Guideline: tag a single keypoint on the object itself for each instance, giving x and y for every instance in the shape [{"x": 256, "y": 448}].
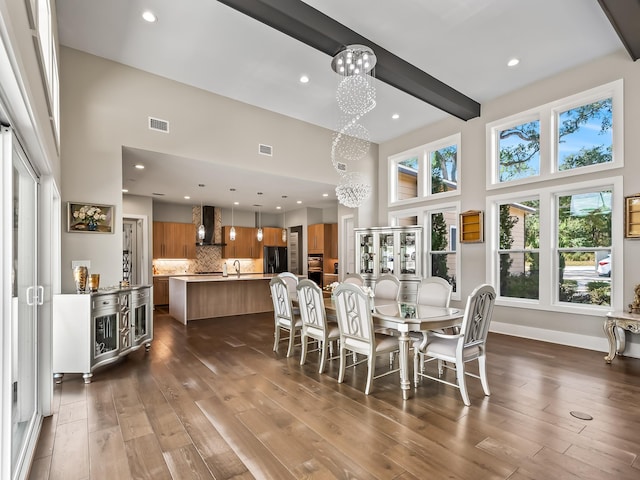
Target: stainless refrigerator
[{"x": 275, "y": 259}]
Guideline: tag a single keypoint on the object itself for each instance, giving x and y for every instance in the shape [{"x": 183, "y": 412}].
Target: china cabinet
[
  {"x": 92, "y": 330},
  {"x": 395, "y": 250}
]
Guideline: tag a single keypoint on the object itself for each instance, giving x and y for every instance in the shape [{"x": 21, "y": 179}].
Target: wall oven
[{"x": 314, "y": 269}]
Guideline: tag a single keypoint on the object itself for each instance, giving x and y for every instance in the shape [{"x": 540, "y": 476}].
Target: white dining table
[{"x": 404, "y": 318}]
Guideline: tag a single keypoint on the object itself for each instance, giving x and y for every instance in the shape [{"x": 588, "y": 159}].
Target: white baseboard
[{"x": 599, "y": 344}]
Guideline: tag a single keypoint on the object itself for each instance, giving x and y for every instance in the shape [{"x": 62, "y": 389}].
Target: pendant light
[
  {"x": 260, "y": 236},
  {"x": 201, "y": 229},
  {"x": 232, "y": 230},
  {"x": 284, "y": 223}
]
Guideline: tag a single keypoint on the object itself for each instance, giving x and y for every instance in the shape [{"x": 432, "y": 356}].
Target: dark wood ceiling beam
[
  {"x": 624, "y": 15},
  {"x": 314, "y": 28}
]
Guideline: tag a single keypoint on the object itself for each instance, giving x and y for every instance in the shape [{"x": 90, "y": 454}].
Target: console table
[{"x": 624, "y": 321}]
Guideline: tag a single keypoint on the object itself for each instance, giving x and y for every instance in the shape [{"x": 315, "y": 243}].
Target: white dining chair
[
  {"x": 291, "y": 279},
  {"x": 434, "y": 291},
  {"x": 357, "y": 335},
  {"x": 354, "y": 278},
  {"x": 459, "y": 349},
  {"x": 283, "y": 314},
  {"x": 387, "y": 287},
  {"x": 314, "y": 322}
]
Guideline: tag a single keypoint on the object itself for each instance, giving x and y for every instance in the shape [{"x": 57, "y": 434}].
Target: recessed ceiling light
[
  {"x": 187, "y": 197},
  {"x": 124, "y": 190},
  {"x": 139, "y": 166},
  {"x": 149, "y": 16},
  {"x": 325, "y": 194},
  {"x": 395, "y": 116},
  {"x": 278, "y": 207},
  {"x": 513, "y": 62},
  {"x": 236, "y": 203},
  {"x": 299, "y": 201},
  {"x": 304, "y": 79}
]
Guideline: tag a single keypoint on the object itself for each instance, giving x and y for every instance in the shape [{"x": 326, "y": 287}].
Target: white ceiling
[{"x": 464, "y": 43}]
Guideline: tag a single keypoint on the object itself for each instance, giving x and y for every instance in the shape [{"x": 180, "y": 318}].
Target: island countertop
[
  {"x": 219, "y": 278},
  {"x": 195, "y": 297}
]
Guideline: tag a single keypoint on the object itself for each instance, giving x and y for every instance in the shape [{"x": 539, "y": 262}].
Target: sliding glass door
[{"x": 25, "y": 297}]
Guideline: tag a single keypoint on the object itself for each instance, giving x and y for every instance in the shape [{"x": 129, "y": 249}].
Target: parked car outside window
[{"x": 604, "y": 266}]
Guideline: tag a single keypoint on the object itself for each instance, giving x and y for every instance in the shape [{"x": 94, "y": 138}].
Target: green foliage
[
  {"x": 586, "y": 157},
  {"x": 525, "y": 285},
  {"x": 440, "y": 159},
  {"x": 568, "y": 289},
  {"x": 439, "y": 242},
  {"x": 515, "y": 160}
]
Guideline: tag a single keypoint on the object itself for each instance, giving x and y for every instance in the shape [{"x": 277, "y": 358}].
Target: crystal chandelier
[{"x": 356, "y": 96}]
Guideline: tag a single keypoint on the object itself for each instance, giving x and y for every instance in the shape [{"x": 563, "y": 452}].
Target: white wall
[{"x": 576, "y": 329}]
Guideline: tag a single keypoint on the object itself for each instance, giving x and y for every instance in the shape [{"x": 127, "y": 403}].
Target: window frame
[
  {"x": 424, "y": 212},
  {"x": 548, "y": 249},
  {"x": 423, "y": 153},
  {"x": 548, "y": 116}
]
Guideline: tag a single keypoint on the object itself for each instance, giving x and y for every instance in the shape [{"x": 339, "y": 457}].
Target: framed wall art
[{"x": 89, "y": 217}]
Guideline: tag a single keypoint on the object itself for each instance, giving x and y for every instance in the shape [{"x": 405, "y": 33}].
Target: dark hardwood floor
[{"x": 212, "y": 400}]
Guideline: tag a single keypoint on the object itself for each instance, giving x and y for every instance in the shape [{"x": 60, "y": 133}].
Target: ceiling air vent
[
  {"x": 265, "y": 150},
  {"x": 341, "y": 167},
  {"x": 158, "y": 125}
]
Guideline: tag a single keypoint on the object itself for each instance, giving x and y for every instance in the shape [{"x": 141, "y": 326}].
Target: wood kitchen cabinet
[
  {"x": 322, "y": 238},
  {"x": 245, "y": 245},
  {"x": 174, "y": 240},
  {"x": 161, "y": 290},
  {"x": 273, "y": 237}
]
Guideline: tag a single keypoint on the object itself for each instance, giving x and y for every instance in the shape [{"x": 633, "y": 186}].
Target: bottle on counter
[{"x": 224, "y": 269}]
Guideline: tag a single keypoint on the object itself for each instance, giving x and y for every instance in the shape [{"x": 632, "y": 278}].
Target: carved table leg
[
  {"x": 609, "y": 325},
  {"x": 405, "y": 382},
  {"x": 622, "y": 340}
]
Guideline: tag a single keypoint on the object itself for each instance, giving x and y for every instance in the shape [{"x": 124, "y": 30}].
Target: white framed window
[
  {"x": 440, "y": 229},
  {"x": 579, "y": 134},
  {"x": 49, "y": 61},
  {"x": 558, "y": 248},
  {"x": 431, "y": 170}
]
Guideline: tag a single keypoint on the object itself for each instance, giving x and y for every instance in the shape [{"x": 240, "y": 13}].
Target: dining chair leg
[
  {"x": 323, "y": 356},
  {"x": 462, "y": 384},
  {"x": 482, "y": 366},
  {"x": 292, "y": 336},
  {"x": 343, "y": 359},
  {"x": 276, "y": 339},
  {"x": 440, "y": 368},
  {"x": 303, "y": 356},
  {"x": 371, "y": 363}
]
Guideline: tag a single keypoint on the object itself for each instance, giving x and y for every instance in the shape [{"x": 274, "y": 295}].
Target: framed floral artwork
[{"x": 89, "y": 218}]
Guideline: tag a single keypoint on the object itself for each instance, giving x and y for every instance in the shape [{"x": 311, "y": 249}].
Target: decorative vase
[
  {"x": 80, "y": 278},
  {"x": 92, "y": 225}
]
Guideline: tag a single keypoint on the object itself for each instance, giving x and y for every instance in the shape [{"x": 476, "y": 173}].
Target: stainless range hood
[{"x": 212, "y": 229}]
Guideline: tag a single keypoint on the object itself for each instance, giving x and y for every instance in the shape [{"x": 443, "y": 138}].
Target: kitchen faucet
[{"x": 236, "y": 264}]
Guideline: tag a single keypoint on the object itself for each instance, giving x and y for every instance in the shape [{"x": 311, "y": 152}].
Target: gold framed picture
[{"x": 89, "y": 218}]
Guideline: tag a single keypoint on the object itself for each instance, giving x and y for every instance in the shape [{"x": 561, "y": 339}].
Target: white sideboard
[{"x": 92, "y": 330}]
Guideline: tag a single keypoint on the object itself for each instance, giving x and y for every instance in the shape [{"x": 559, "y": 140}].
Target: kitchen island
[{"x": 195, "y": 297}]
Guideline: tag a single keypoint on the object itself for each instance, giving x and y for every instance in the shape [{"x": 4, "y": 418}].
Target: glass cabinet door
[
  {"x": 385, "y": 252},
  {"x": 105, "y": 331},
  {"x": 366, "y": 255},
  {"x": 141, "y": 324},
  {"x": 409, "y": 260}
]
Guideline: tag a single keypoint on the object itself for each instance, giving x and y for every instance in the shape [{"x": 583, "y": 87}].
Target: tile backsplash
[{"x": 209, "y": 257}]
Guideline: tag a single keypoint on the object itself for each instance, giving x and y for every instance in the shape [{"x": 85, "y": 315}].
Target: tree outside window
[
  {"x": 442, "y": 252},
  {"x": 518, "y": 255},
  {"x": 584, "y": 238}
]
